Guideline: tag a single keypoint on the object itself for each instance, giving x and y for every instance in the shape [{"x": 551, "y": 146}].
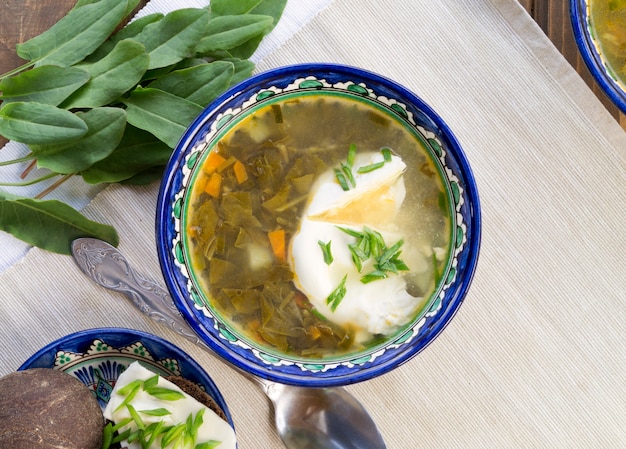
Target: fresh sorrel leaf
[
  {"x": 105, "y": 130},
  {"x": 199, "y": 84},
  {"x": 50, "y": 225},
  {"x": 164, "y": 115},
  {"x": 232, "y": 7},
  {"x": 145, "y": 177},
  {"x": 47, "y": 84},
  {"x": 37, "y": 123},
  {"x": 272, "y": 8},
  {"x": 174, "y": 37},
  {"x": 243, "y": 69},
  {"x": 76, "y": 35},
  {"x": 113, "y": 75},
  {"x": 128, "y": 32},
  {"x": 228, "y": 32}
]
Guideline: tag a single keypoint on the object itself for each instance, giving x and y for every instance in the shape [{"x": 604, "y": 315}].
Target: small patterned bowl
[
  {"x": 289, "y": 83},
  {"x": 591, "y": 52},
  {"x": 97, "y": 357}
]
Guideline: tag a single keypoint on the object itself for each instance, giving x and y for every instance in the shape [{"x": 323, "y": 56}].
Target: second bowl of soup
[{"x": 318, "y": 225}]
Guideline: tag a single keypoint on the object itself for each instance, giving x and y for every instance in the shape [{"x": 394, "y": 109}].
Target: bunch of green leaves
[{"x": 108, "y": 103}]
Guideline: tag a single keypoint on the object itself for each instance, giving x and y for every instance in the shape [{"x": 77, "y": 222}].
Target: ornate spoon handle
[{"x": 107, "y": 267}]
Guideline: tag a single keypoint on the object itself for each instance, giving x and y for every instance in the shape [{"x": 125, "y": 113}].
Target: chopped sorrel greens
[
  {"x": 108, "y": 103},
  {"x": 240, "y": 234}
]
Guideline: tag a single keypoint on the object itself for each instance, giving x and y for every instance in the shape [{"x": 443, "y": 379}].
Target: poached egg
[{"x": 380, "y": 306}]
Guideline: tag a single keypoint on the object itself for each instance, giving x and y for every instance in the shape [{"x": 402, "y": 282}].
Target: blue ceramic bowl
[
  {"x": 591, "y": 52},
  {"x": 290, "y": 82},
  {"x": 97, "y": 357}
]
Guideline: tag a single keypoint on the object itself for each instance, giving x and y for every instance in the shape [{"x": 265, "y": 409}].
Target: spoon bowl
[{"x": 306, "y": 418}]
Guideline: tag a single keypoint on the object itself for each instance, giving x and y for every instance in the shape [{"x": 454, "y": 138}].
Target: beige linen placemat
[{"x": 536, "y": 356}]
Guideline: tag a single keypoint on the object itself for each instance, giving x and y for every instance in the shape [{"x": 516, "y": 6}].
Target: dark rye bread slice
[
  {"x": 198, "y": 394},
  {"x": 43, "y": 408}
]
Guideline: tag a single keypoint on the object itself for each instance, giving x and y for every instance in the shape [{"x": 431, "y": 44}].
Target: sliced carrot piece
[
  {"x": 213, "y": 162},
  {"x": 214, "y": 185},
  {"x": 240, "y": 172},
  {"x": 278, "y": 244}
]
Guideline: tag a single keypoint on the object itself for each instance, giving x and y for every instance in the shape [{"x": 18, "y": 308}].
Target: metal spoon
[{"x": 306, "y": 418}]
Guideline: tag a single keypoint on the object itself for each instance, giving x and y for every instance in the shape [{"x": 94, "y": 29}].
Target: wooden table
[{"x": 23, "y": 19}]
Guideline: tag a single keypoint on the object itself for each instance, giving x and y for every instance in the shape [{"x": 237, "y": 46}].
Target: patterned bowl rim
[
  {"x": 77, "y": 353},
  {"x": 591, "y": 53},
  {"x": 282, "y": 369}
]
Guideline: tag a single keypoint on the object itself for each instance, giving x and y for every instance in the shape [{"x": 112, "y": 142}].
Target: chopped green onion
[
  {"x": 328, "y": 257},
  {"x": 371, "y": 167},
  {"x": 151, "y": 382},
  {"x": 129, "y": 387},
  {"x": 130, "y": 394},
  {"x": 391, "y": 253},
  {"x": 347, "y": 171},
  {"x": 212, "y": 444},
  {"x": 155, "y": 429},
  {"x": 351, "y": 155},
  {"x": 351, "y": 232},
  {"x": 107, "y": 435},
  {"x": 165, "y": 394},
  {"x": 341, "y": 179},
  {"x": 173, "y": 433},
  {"x": 121, "y": 436},
  {"x": 156, "y": 412},
  {"x": 386, "y": 153},
  {"x": 335, "y": 298},
  {"x": 373, "y": 276},
  {"x": 136, "y": 418}
]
